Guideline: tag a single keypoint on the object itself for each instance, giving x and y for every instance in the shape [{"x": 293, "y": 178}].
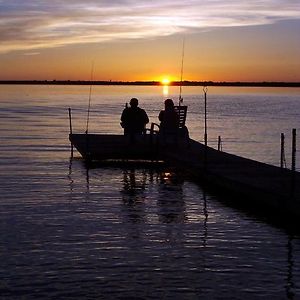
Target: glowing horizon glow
[{"x": 134, "y": 40}]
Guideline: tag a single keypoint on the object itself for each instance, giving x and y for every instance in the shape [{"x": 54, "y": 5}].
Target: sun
[{"x": 165, "y": 81}]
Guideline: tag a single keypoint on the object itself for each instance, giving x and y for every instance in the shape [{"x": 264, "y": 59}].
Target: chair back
[{"x": 181, "y": 111}]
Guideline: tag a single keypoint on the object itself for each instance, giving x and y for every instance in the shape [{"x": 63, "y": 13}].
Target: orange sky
[{"x": 257, "y": 41}]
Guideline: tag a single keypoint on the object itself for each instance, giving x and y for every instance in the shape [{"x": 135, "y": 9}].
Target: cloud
[
  {"x": 36, "y": 24},
  {"x": 31, "y": 53}
]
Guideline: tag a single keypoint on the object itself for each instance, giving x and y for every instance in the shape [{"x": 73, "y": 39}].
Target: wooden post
[
  {"x": 282, "y": 150},
  {"x": 205, "y": 116},
  {"x": 205, "y": 127},
  {"x": 294, "y": 149},
  {"x": 71, "y": 130},
  {"x": 293, "y": 183},
  {"x": 219, "y": 143},
  {"x": 70, "y": 120}
]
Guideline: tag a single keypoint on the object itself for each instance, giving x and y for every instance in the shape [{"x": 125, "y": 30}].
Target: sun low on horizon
[{"x": 165, "y": 81}]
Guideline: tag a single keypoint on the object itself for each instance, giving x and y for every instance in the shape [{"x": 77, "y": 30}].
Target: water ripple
[{"x": 68, "y": 232}]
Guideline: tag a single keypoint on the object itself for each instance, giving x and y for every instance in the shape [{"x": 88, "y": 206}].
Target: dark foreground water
[{"x": 73, "y": 232}]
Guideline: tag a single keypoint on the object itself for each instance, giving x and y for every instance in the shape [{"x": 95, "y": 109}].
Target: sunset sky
[{"x": 252, "y": 40}]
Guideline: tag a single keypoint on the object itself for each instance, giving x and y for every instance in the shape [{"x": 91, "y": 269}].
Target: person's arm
[
  {"x": 161, "y": 115},
  {"x": 146, "y": 118},
  {"x": 124, "y": 118},
  {"x": 124, "y": 115}
]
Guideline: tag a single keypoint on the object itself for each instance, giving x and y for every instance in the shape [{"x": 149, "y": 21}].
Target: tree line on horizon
[{"x": 172, "y": 83}]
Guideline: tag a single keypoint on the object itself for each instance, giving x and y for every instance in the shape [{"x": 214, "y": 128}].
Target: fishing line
[{"x": 90, "y": 97}]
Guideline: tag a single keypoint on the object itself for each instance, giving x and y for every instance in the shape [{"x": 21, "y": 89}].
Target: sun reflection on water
[{"x": 165, "y": 90}]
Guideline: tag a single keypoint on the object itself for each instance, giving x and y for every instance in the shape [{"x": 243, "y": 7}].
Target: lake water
[{"x": 69, "y": 232}]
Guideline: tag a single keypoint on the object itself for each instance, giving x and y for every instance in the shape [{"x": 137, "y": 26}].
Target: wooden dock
[
  {"x": 271, "y": 186},
  {"x": 99, "y": 147}
]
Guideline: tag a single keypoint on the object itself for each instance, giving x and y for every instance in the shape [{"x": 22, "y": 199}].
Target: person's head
[
  {"x": 169, "y": 103},
  {"x": 134, "y": 102}
]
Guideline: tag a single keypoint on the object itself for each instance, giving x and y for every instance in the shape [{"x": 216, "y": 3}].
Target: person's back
[
  {"x": 134, "y": 119},
  {"x": 169, "y": 119}
]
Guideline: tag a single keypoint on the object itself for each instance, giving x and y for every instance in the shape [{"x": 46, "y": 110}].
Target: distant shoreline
[{"x": 153, "y": 83}]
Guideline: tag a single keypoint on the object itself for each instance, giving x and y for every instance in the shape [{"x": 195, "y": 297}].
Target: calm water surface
[{"x": 72, "y": 232}]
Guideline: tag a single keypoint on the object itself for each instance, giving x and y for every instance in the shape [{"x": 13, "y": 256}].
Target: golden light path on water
[{"x": 165, "y": 91}]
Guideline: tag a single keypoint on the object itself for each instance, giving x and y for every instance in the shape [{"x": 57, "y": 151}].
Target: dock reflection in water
[
  {"x": 108, "y": 233},
  {"x": 170, "y": 225},
  {"x": 176, "y": 239},
  {"x": 133, "y": 195},
  {"x": 171, "y": 202}
]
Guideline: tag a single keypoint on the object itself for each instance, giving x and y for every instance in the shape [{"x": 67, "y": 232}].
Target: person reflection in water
[
  {"x": 171, "y": 201},
  {"x": 133, "y": 195},
  {"x": 134, "y": 120}
]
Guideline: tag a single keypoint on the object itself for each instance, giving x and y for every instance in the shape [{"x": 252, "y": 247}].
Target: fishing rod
[
  {"x": 181, "y": 73},
  {"x": 90, "y": 97}
]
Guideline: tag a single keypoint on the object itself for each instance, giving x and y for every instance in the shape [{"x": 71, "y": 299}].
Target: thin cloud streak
[{"x": 45, "y": 24}]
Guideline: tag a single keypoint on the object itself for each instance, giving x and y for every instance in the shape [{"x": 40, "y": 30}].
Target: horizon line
[{"x": 155, "y": 82}]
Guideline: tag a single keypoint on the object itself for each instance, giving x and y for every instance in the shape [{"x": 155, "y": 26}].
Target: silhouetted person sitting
[
  {"x": 169, "y": 119},
  {"x": 134, "y": 120}
]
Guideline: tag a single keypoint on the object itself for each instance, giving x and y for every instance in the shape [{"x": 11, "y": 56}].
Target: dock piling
[
  {"x": 205, "y": 126},
  {"x": 219, "y": 143},
  {"x": 294, "y": 149},
  {"x": 282, "y": 151},
  {"x": 293, "y": 181},
  {"x": 71, "y": 130}
]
